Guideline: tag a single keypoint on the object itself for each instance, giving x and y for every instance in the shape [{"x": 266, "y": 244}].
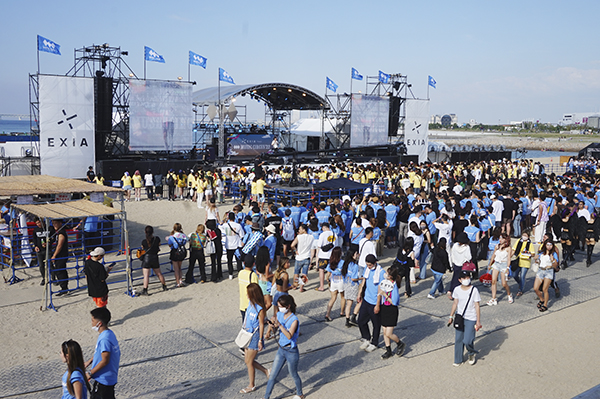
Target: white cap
[
  {"x": 98, "y": 251},
  {"x": 492, "y": 196},
  {"x": 271, "y": 228}
]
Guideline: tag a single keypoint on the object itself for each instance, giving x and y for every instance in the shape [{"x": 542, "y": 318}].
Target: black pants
[
  {"x": 171, "y": 192},
  {"x": 474, "y": 252},
  {"x": 59, "y": 270},
  {"x": 150, "y": 192},
  {"x": 367, "y": 312},
  {"x": 244, "y": 195},
  {"x": 230, "y": 256},
  {"x": 100, "y": 391},
  {"x": 41, "y": 259},
  {"x": 196, "y": 255},
  {"x": 216, "y": 270}
]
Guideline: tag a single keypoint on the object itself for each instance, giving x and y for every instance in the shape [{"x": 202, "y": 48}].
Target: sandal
[
  {"x": 248, "y": 390},
  {"x": 543, "y": 308},
  {"x": 519, "y": 294},
  {"x": 540, "y": 304},
  {"x": 328, "y": 319}
]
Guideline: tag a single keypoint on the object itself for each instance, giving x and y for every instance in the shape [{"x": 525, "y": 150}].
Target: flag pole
[
  {"x": 428, "y": 88},
  {"x": 221, "y": 146},
  {"x": 351, "y": 83},
  {"x": 189, "y": 80},
  {"x": 38, "y": 56},
  {"x": 144, "y": 65}
]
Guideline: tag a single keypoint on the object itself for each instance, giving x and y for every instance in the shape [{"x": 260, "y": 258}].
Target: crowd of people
[{"x": 492, "y": 221}]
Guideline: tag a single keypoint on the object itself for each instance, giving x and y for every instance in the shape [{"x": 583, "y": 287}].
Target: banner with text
[
  {"x": 416, "y": 128},
  {"x": 248, "y": 145},
  {"x": 160, "y": 115},
  {"x": 66, "y": 125},
  {"x": 369, "y": 122}
]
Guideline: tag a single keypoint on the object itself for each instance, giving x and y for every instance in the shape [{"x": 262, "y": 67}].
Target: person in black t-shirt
[
  {"x": 60, "y": 256},
  {"x": 274, "y": 219},
  {"x": 508, "y": 214},
  {"x": 90, "y": 174},
  {"x": 96, "y": 275},
  {"x": 40, "y": 240}
]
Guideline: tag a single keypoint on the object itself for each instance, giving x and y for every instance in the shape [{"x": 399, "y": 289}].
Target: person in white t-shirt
[
  {"x": 149, "y": 184},
  {"x": 302, "y": 244},
  {"x": 466, "y": 303},
  {"x": 365, "y": 247},
  {"x": 497, "y": 209}
]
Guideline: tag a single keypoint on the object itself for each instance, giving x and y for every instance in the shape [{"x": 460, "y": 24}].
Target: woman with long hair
[
  {"x": 336, "y": 282},
  {"x": 500, "y": 264},
  {"x": 405, "y": 262},
  {"x": 281, "y": 280},
  {"x": 387, "y": 306},
  {"x": 289, "y": 327},
  {"x": 351, "y": 282},
  {"x": 417, "y": 235},
  {"x": 459, "y": 254},
  {"x": 426, "y": 249},
  {"x": 151, "y": 245},
  {"x": 176, "y": 240},
  {"x": 212, "y": 211},
  {"x": 440, "y": 263},
  {"x": 75, "y": 385},
  {"x": 254, "y": 322},
  {"x": 262, "y": 262},
  {"x": 547, "y": 257},
  {"x": 137, "y": 185}
]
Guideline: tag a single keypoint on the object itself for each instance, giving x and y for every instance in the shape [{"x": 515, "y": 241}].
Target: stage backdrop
[
  {"x": 416, "y": 128},
  {"x": 160, "y": 115},
  {"x": 248, "y": 145},
  {"x": 369, "y": 121},
  {"x": 66, "y": 125}
]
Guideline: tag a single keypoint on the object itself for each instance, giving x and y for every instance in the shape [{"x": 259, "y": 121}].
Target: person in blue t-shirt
[
  {"x": 289, "y": 327},
  {"x": 107, "y": 355},
  {"x": 373, "y": 275},
  {"x": 74, "y": 383}
]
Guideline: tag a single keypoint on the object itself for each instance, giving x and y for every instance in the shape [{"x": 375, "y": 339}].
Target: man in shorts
[
  {"x": 96, "y": 275},
  {"x": 302, "y": 244},
  {"x": 325, "y": 246}
]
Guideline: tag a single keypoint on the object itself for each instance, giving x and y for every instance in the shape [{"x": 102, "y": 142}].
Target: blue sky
[{"x": 493, "y": 61}]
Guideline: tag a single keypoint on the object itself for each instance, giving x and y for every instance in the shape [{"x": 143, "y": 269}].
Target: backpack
[
  {"x": 170, "y": 180},
  {"x": 242, "y": 185},
  {"x": 180, "y": 252},
  {"x": 260, "y": 219},
  {"x": 287, "y": 232}
]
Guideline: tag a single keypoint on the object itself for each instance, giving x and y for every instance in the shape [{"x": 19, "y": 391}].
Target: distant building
[
  {"x": 594, "y": 121},
  {"x": 439, "y": 119},
  {"x": 576, "y": 118}
]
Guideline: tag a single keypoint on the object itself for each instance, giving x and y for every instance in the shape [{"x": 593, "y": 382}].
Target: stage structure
[
  {"x": 108, "y": 94},
  {"x": 279, "y": 99},
  {"x": 372, "y": 118}
]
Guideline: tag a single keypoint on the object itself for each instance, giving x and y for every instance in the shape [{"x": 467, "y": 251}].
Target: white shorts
[
  {"x": 337, "y": 286},
  {"x": 501, "y": 268}
]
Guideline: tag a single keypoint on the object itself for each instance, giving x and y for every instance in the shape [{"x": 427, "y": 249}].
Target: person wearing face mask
[
  {"x": 289, "y": 327},
  {"x": 466, "y": 303},
  {"x": 523, "y": 250},
  {"x": 387, "y": 307},
  {"x": 372, "y": 276},
  {"x": 105, "y": 363}
]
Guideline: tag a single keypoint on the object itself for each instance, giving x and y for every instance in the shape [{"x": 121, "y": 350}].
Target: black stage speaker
[
  {"x": 103, "y": 90},
  {"x": 394, "y": 116}
]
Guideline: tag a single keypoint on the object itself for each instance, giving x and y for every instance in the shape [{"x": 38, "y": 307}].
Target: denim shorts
[
  {"x": 254, "y": 341},
  {"x": 542, "y": 274},
  {"x": 302, "y": 266}
]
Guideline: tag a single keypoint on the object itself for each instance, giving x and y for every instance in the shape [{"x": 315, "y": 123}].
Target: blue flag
[
  {"x": 356, "y": 75},
  {"x": 152, "y": 55},
  {"x": 432, "y": 82},
  {"x": 331, "y": 85},
  {"x": 197, "y": 59},
  {"x": 225, "y": 77},
  {"x": 48, "y": 45},
  {"x": 384, "y": 77}
]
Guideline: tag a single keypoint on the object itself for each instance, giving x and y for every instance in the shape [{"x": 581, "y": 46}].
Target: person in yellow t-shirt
[
  {"x": 137, "y": 185},
  {"x": 260, "y": 192},
  {"x": 127, "y": 185}
]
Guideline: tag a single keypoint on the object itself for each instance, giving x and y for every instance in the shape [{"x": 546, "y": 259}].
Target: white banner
[
  {"x": 160, "y": 115},
  {"x": 66, "y": 125},
  {"x": 416, "y": 128},
  {"x": 369, "y": 120}
]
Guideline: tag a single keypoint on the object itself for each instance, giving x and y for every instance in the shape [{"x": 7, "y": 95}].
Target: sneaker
[
  {"x": 456, "y": 364},
  {"x": 144, "y": 292},
  {"x": 231, "y": 277},
  {"x": 43, "y": 282},
  {"x": 429, "y": 296},
  {"x": 472, "y": 359},
  {"x": 348, "y": 325},
  {"x": 165, "y": 288},
  {"x": 387, "y": 354},
  {"x": 400, "y": 349},
  {"x": 510, "y": 299},
  {"x": 353, "y": 320},
  {"x": 492, "y": 302},
  {"x": 364, "y": 344},
  {"x": 370, "y": 348}
]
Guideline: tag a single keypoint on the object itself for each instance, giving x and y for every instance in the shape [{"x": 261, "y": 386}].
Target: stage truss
[{"x": 337, "y": 114}]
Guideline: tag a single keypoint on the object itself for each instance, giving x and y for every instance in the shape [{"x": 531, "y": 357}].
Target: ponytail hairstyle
[
  {"x": 149, "y": 230},
  {"x": 287, "y": 300},
  {"x": 394, "y": 273},
  {"x": 349, "y": 259}
]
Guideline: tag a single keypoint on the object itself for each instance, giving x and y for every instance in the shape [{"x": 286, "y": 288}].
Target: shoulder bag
[
  {"x": 244, "y": 337},
  {"x": 209, "y": 249},
  {"x": 459, "y": 320}
]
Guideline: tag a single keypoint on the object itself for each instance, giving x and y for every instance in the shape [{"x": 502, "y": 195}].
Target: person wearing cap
[
  {"x": 372, "y": 276},
  {"x": 466, "y": 303},
  {"x": 127, "y": 185},
  {"x": 96, "y": 274},
  {"x": 271, "y": 241}
]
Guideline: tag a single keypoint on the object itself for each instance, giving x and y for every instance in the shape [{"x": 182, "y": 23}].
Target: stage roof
[
  {"x": 280, "y": 96},
  {"x": 72, "y": 209}
]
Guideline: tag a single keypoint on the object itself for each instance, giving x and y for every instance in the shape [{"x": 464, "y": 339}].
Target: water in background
[
  {"x": 555, "y": 155},
  {"x": 14, "y": 126}
]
